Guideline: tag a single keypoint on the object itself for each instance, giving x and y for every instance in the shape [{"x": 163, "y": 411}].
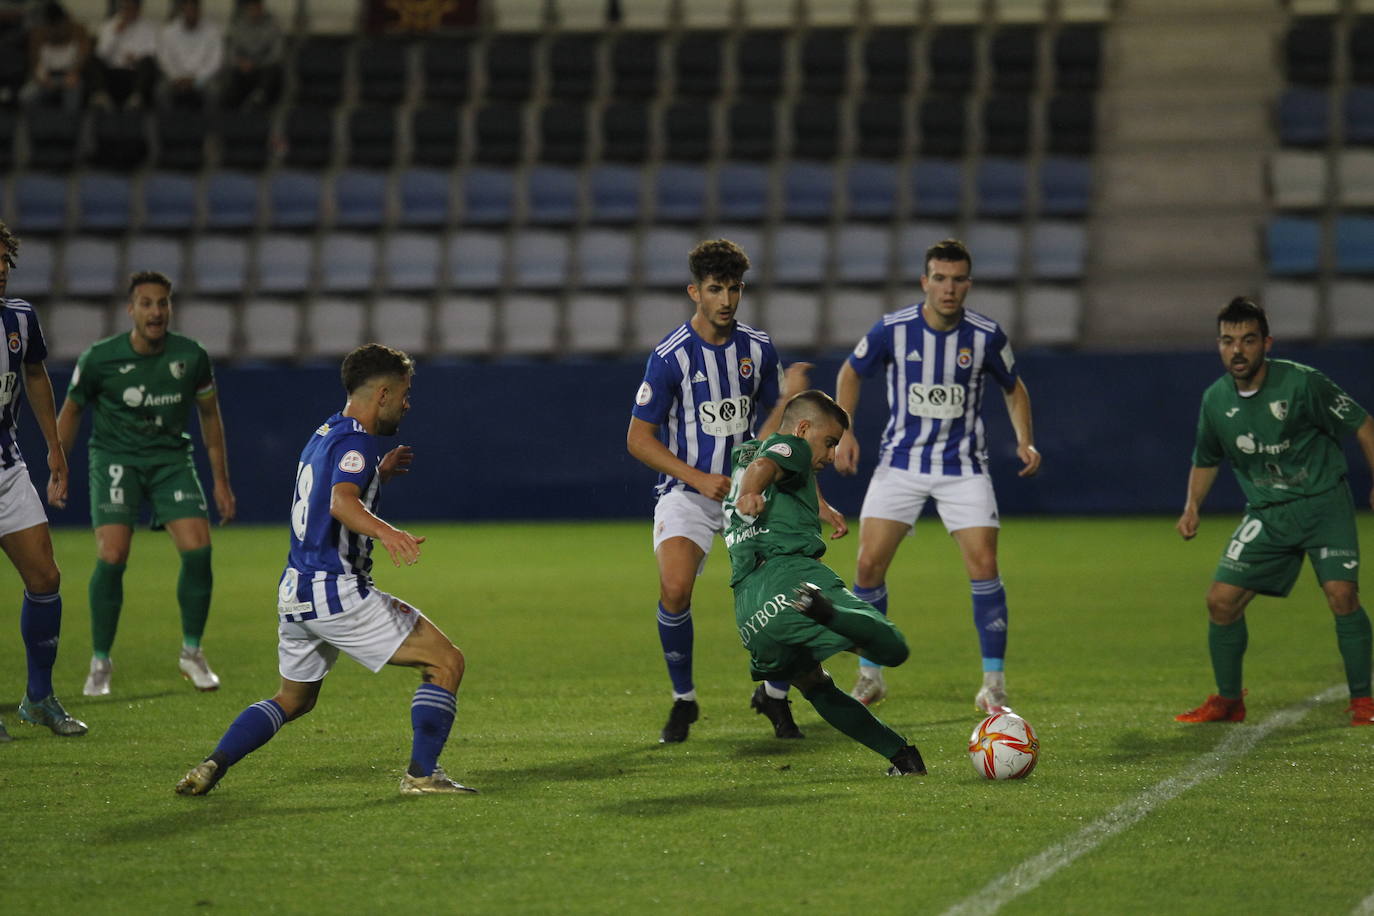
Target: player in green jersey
[
  {"x": 793, "y": 612},
  {"x": 1280, "y": 424},
  {"x": 140, "y": 387}
]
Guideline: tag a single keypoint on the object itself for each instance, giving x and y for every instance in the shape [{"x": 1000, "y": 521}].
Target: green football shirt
[
  {"x": 141, "y": 402},
  {"x": 1284, "y": 441},
  {"x": 790, "y": 524}
]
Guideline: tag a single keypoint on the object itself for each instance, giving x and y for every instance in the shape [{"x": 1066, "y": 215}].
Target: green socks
[
  {"x": 853, "y": 718},
  {"x": 1354, "y": 638},
  {"x": 193, "y": 594},
  {"x": 1227, "y": 645},
  {"x": 106, "y": 593}
]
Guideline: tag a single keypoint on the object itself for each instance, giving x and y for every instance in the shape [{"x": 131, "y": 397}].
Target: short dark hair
[
  {"x": 719, "y": 258},
  {"x": 374, "y": 361},
  {"x": 947, "y": 250},
  {"x": 9, "y": 246},
  {"x": 1240, "y": 310},
  {"x": 138, "y": 278},
  {"x": 812, "y": 404}
]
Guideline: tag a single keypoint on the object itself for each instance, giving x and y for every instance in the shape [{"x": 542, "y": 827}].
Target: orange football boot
[
  {"x": 1361, "y": 710},
  {"x": 1216, "y": 709}
]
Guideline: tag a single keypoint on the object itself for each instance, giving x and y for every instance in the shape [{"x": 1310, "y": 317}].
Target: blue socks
[
  {"x": 431, "y": 716},
  {"x": 675, "y": 633},
  {"x": 40, "y": 622},
  {"x": 876, "y": 596},
  {"x": 254, "y": 727},
  {"x": 990, "y": 617}
]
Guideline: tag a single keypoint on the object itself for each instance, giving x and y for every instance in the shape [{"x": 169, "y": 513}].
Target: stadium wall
[{"x": 512, "y": 440}]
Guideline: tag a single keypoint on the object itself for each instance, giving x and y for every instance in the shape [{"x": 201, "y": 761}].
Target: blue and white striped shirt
[
  {"x": 329, "y": 568},
  {"x": 706, "y": 399},
  {"x": 935, "y": 382},
  {"x": 23, "y": 344}
]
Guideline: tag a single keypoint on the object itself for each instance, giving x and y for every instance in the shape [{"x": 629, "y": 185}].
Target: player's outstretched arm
[
  {"x": 1365, "y": 436},
  {"x": 347, "y": 507},
  {"x": 847, "y": 385},
  {"x": 642, "y": 441},
  {"x": 1200, "y": 482},
  {"x": 38, "y": 387},
  {"x": 212, "y": 434},
  {"x": 1019, "y": 409},
  {"x": 759, "y": 476}
]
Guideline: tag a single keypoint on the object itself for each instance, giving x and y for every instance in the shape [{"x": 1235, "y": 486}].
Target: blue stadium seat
[
  {"x": 596, "y": 323},
  {"x": 231, "y": 200},
  {"x": 1052, "y": 315},
  {"x": 348, "y": 262},
  {"x": 466, "y": 324},
  {"x": 408, "y": 324},
  {"x": 284, "y": 263},
  {"x": 862, "y": 253},
  {"x": 605, "y": 258},
  {"x": 412, "y": 262},
  {"x": 1058, "y": 249},
  {"x": 938, "y": 187},
  {"x": 1304, "y": 117},
  {"x": 169, "y": 201},
  {"x": 488, "y": 196},
  {"x": 333, "y": 327},
  {"x": 1293, "y": 245},
  {"x": 873, "y": 189},
  {"x": 360, "y": 199},
  {"x": 793, "y": 316},
  {"x": 156, "y": 252},
  {"x": 663, "y": 257},
  {"x": 476, "y": 259},
  {"x": 295, "y": 199},
  {"x": 41, "y": 201},
  {"x": 1001, "y": 187},
  {"x": 424, "y": 195},
  {"x": 540, "y": 259},
  {"x": 283, "y": 317},
  {"x": 996, "y": 249},
  {"x": 743, "y": 191},
  {"x": 808, "y": 191},
  {"x": 554, "y": 195},
  {"x": 90, "y": 266},
  {"x": 33, "y": 276},
  {"x": 219, "y": 264},
  {"x": 680, "y": 193},
  {"x": 529, "y": 325},
  {"x": 800, "y": 255},
  {"x": 1355, "y": 245},
  {"x": 615, "y": 193},
  {"x": 1358, "y": 109},
  {"x": 912, "y": 241},
  {"x": 1065, "y": 186},
  {"x": 104, "y": 202}
]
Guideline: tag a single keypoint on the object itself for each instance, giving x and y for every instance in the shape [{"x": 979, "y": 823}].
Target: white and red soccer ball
[{"x": 1004, "y": 746}]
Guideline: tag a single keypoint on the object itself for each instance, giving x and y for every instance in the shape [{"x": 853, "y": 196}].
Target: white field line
[
  {"x": 1031, "y": 873},
  {"x": 1365, "y": 907}
]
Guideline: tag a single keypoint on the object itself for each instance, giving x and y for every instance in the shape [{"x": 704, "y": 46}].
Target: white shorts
[
  {"x": 679, "y": 514},
  {"x": 369, "y": 634},
  {"x": 20, "y": 506},
  {"x": 963, "y": 502}
]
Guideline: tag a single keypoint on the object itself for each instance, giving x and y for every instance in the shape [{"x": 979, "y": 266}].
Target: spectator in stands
[
  {"x": 15, "y": 21},
  {"x": 189, "y": 53},
  {"x": 58, "y": 49},
  {"x": 253, "y": 45},
  {"x": 124, "y": 67}
]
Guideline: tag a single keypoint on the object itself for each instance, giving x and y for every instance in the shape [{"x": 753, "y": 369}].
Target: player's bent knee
[
  {"x": 889, "y": 654},
  {"x": 43, "y": 581},
  {"x": 812, "y": 681}
]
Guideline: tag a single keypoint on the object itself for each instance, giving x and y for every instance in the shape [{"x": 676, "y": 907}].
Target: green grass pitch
[{"x": 582, "y": 811}]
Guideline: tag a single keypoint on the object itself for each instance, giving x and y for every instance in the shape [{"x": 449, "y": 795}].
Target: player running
[{"x": 1280, "y": 424}]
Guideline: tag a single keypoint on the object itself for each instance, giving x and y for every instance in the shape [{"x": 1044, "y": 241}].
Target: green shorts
[
  {"x": 1266, "y": 550},
  {"x": 783, "y": 643},
  {"x": 119, "y": 490}
]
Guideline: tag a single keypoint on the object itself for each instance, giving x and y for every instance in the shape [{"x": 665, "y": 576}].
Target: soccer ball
[{"x": 1004, "y": 746}]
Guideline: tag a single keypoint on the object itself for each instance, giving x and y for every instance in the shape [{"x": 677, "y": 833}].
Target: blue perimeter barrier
[{"x": 532, "y": 440}]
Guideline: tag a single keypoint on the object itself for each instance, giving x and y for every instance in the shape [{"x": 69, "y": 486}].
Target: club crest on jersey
[
  {"x": 746, "y": 367},
  {"x": 861, "y": 348},
  {"x": 1279, "y": 409},
  {"x": 781, "y": 448},
  {"x": 965, "y": 358},
  {"x": 352, "y": 462},
  {"x": 13, "y": 342},
  {"x": 645, "y": 394},
  {"x": 177, "y": 367}
]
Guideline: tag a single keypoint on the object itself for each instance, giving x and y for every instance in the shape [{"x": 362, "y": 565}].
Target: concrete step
[
  {"x": 1164, "y": 310},
  {"x": 1139, "y": 118},
  {"x": 1193, "y": 54},
  {"x": 1189, "y": 240},
  {"x": 1145, "y": 181}
]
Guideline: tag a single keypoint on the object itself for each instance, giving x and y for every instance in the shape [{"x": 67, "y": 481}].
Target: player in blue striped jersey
[
  {"x": 326, "y": 599},
  {"x": 23, "y": 524},
  {"x": 937, "y": 357},
  {"x": 711, "y": 384}
]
